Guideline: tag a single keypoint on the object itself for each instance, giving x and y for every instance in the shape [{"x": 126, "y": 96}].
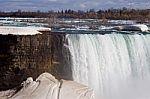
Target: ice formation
[
  {"x": 135, "y": 27},
  {"x": 5, "y": 30},
  {"x": 47, "y": 87}
]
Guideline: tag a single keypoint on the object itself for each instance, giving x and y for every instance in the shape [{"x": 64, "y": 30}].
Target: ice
[
  {"x": 134, "y": 27},
  {"x": 47, "y": 87},
  {"x": 5, "y": 30}
]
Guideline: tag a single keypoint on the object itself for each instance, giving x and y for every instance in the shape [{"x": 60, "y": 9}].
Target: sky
[{"x": 46, "y": 5}]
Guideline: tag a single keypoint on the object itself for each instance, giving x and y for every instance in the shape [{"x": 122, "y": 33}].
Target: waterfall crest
[{"x": 116, "y": 66}]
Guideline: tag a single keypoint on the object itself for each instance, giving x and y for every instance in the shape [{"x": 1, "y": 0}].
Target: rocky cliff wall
[{"x": 22, "y": 56}]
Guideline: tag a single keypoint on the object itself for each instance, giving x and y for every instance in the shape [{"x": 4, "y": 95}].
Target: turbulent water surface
[{"x": 116, "y": 66}]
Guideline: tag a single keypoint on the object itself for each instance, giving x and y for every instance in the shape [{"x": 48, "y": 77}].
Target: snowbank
[
  {"x": 5, "y": 30},
  {"x": 47, "y": 87},
  {"x": 135, "y": 27}
]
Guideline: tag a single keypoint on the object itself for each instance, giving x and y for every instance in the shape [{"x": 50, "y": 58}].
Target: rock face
[
  {"x": 22, "y": 56},
  {"x": 47, "y": 87}
]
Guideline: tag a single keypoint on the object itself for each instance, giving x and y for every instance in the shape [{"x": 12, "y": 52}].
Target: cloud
[
  {"x": 52, "y": 0},
  {"x": 82, "y": 5}
]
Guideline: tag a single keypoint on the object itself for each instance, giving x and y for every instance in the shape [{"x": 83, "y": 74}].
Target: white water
[{"x": 116, "y": 66}]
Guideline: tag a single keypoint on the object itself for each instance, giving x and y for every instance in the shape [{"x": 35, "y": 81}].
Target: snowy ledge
[{"x": 5, "y": 30}]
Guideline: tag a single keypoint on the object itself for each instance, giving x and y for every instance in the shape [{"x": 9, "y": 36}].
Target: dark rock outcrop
[{"x": 22, "y": 56}]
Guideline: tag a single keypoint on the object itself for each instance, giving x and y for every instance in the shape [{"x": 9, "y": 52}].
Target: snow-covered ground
[{"x": 5, "y": 30}]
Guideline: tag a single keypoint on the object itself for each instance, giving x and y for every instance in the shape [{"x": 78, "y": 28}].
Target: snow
[
  {"x": 5, "y": 30},
  {"x": 142, "y": 27},
  {"x": 122, "y": 21},
  {"x": 47, "y": 87},
  {"x": 134, "y": 27}
]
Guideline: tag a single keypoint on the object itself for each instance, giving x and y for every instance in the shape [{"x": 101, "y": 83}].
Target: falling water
[{"x": 116, "y": 66}]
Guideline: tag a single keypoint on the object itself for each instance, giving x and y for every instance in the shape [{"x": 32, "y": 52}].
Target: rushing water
[{"x": 116, "y": 66}]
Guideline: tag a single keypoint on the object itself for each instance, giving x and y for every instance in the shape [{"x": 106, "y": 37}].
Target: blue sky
[{"x": 45, "y": 5}]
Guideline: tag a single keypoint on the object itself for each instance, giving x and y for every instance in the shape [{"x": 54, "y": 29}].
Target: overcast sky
[{"x": 45, "y": 5}]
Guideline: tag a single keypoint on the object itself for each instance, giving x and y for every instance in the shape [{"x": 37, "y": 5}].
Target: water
[
  {"x": 23, "y": 22},
  {"x": 116, "y": 66}
]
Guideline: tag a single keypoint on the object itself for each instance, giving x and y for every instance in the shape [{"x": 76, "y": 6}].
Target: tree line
[{"x": 123, "y": 13}]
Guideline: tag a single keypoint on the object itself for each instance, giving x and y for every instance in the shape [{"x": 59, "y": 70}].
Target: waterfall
[{"x": 116, "y": 66}]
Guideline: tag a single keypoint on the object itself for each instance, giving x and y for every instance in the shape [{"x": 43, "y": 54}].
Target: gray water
[{"x": 116, "y": 66}]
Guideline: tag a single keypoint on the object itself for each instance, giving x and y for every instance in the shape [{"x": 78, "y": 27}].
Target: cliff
[{"x": 22, "y": 56}]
